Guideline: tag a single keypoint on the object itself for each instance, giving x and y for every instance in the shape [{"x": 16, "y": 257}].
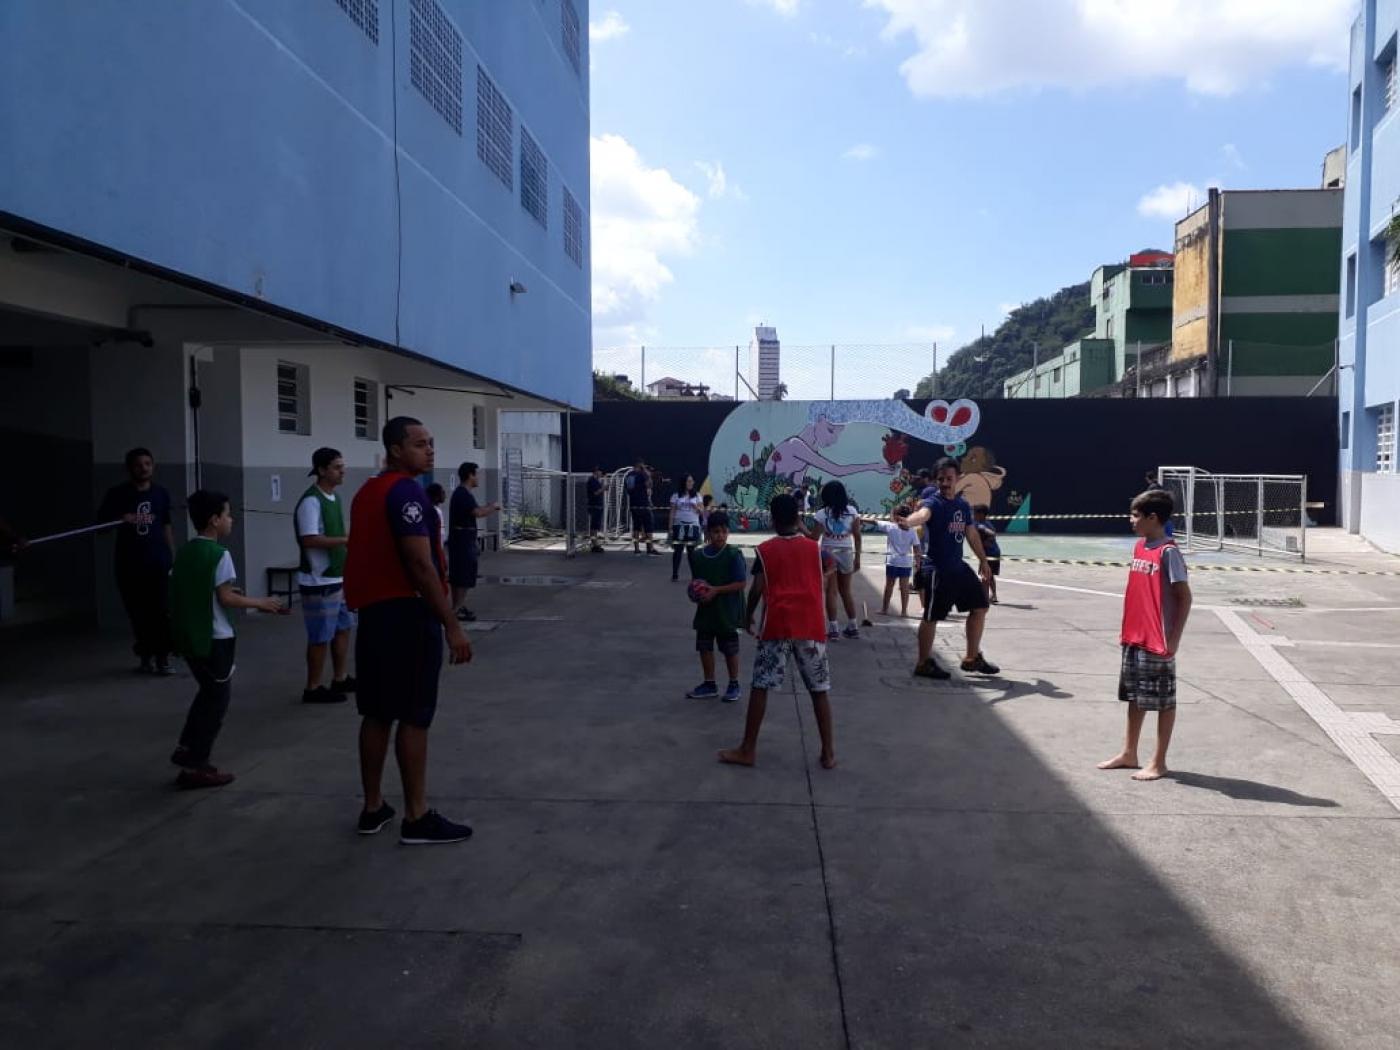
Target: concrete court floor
[{"x": 966, "y": 877}]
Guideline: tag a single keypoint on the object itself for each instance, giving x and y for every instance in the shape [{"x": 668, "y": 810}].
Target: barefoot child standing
[
  {"x": 789, "y": 576},
  {"x": 719, "y": 568},
  {"x": 1155, "y": 607}
]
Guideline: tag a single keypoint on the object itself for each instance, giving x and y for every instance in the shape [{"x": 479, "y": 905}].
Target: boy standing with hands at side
[
  {"x": 1155, "y": 607},
  {"x": 201, "y": 592},
  {"x": 789, "y": 578},
  {"x": 719, "y": 579}
]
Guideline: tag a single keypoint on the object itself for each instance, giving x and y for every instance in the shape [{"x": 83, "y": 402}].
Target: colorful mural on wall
[{"x": 766, "y": 447}]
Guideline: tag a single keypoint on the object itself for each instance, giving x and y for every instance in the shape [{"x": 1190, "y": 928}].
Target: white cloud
[
  {"x": 930, "y": 333},
  {"x": 717, "y": 183},
  {"x": 641, "y": 216},
  {"x": 860, "y": 151},
  {"x": 1171, "y": 201},
  {"x": 1006, "y": 308},
  {"x": 1217, "y": 47},
  {"x": 786, "y": 8},
  {"x": 609, "y": 27},
  {"x": 1231, "y": 154}
]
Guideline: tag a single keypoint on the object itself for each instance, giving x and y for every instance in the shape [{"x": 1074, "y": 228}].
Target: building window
[
  {"x": 367, "y": 409},
  {"x": 1351, "y": 286},
  {"x": 478, "y": 427},
  {"x": 1355, "y": 120},
  {"x": 1392, "y": 269},
  {"x": 572, "y": 45},
  {"x": 435, "y": 60},
  {"x": 1108, "y": 328},
  {"x": 1385, "y": 439},
  {"x": 495, "y": 129},
  {"x": 293, "y": 398},
  {"x": 573, "y": 229},
  {"x": 1388, "y": 88},
  {"x": 1346, "y": 430},
  {"x": 365, "y": 14},
  {"x": 534, "y": 179},
  {"x": 1055, "y": 378}
]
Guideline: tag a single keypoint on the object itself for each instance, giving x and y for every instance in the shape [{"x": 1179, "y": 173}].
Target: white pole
[
  {"x": 1229, "y": 367},
  {"x": 1139, "y": 368}
]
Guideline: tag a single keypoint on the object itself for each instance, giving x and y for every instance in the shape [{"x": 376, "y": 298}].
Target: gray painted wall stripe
[{"x": 1280, "y": 304}]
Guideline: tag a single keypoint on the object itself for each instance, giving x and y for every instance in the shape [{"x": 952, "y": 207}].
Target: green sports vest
[
  {"x": 192, "y": 597},
  {"x": 332, "y": 524}
]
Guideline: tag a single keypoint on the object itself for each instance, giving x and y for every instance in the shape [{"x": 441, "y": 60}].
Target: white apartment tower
[{"x": 763, "y": 362}]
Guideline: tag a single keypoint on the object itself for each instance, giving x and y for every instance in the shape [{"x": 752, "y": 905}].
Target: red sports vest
[
  {"x": 792, "y": 590},
  {"x": 374, "y": 571},
  {"x": 1142, "y": 602}
]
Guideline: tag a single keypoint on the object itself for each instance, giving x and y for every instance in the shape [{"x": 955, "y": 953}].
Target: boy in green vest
[
  {"x": 319, "y": 520},
  {"x": 201, "y": 590},
  {"x": 719, "y": 614}
]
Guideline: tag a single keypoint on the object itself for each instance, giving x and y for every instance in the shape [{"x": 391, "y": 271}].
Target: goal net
[{"x": 1254, "y": 513}]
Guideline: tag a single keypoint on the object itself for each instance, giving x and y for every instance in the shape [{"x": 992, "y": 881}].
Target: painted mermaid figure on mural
[{"x": 795, "y": 456}]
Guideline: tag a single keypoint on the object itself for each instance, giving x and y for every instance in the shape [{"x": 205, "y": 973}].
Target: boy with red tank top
[
  {"x": 789, "y": 578},
  {"x": 1155, "y": 607}
]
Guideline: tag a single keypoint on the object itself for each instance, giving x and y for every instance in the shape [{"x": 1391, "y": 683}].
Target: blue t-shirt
[
  {"x": 142, "y": 544},
  {"x": 990, "y": 546},
  {"x": 461, "y": 515},
  {"x": 943, "y": 532},
  {"x": 595, "y": 492},
  {"x": 411, "y": 513}
]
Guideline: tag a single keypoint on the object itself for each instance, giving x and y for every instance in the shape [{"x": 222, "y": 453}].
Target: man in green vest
[{"x": 322, "y": 536}]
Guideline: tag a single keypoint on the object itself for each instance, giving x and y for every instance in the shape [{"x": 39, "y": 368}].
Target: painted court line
[{"x": 1352, "y": 734}]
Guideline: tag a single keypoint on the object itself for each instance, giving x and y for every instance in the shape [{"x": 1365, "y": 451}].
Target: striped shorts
[
  {"x": 1147, "y": 679},
  {"x": 325, "y": 613}
]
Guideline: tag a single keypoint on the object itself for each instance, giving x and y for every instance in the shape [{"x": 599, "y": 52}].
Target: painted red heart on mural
[
  {"x": 938, "y": 411},
  {"x": 954, "y": 421},
  {"x": 961, "y": 416}
]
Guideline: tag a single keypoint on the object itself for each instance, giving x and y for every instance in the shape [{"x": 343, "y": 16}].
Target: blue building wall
[
  {"x": 1369, "y": 336},
  {"x": 250, "y": 144}
]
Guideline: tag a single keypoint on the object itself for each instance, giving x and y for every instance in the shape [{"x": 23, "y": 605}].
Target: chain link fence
[
  {"x": 805, "y": 372},
  {"x": 1254, "y": 513}
]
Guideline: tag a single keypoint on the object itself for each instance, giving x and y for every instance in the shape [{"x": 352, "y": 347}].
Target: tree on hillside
[
  {"x": 614, "y": 388},
  {"x": 979, "y": 368},
  {"x": 780, "y": 392},
  {"x": 902, "y": 394}
]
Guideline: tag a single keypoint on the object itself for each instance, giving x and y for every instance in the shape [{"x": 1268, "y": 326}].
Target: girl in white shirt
[
  {"x": 685, "y": 529},
  {"x": 901, "y": 553},
  {"x": 837, "y": 526}
]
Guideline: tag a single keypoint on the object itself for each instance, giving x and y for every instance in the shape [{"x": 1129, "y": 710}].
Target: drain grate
[
  {"x": 533, "y": 581},
  {"x": 1270, "y": 603}
]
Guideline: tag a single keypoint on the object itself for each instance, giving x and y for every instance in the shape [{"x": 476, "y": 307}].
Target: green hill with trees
[{"x": 978, "y": 369}]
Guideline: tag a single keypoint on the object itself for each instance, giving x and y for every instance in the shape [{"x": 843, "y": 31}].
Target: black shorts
[
  {"x": 461, "y": 560},
  {"x": 641, "y": 519},
  {"x": 960, "y": 587},
  {"x": 398, "y": 656},
  {"x": 595, "y": 518}
]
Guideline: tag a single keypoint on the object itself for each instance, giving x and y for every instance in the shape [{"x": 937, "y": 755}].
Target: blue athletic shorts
[
  {"x": 898, "y": 572},
  {"x": 325, "y": 613}
]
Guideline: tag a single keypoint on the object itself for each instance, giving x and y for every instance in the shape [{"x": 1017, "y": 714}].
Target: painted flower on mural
[
  {"x": 755, "y": 436},
  {"x": 896, "y": 448},
  {"x": 896, "y": 486},
  {"x": 744, "y": 460},
  {"x": 956, "y": 450}
]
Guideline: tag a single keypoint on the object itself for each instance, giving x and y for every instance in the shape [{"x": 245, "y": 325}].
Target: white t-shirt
[
  {"x": 899, "y": 545},
  {"x": 686, "y": 509},
  {"x": 838, "y": 531},
  {"x": 309, "y": 524},
  {"x": 223, "y": 573}
]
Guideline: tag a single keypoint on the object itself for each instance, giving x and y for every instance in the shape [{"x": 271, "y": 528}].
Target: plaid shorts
[
  {"x": 325, "y": 613},
  {"x": 728, "y": 643},
  {"x": 1147, "y": 679},
  {"x": 770, "y": 663}
]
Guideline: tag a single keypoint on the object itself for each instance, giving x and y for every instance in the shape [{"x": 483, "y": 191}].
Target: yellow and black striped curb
[
  {"x": 1124, "y": 514},
  {"x": 1097, "y": 564}
]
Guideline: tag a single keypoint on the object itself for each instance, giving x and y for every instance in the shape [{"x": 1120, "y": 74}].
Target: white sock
[
  {"x": 850, "y": 623},
  {"x": 831, "y": 625}
]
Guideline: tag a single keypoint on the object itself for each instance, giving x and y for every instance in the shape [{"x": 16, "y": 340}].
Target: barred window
[
  {"x": 1388, "y": 85},
  {"x": 1385, "y": 439},
  {"x": 293, "y": 398},
  {"x": 573, "y": 229},
  {"x": 365, "y": 14},
  {"x": 572, "y": 38},
  {"x": 1392, "y": 269},
  {"x": 367, "y": 409},
  {"x": 495, "y": 129},
  {"x": 534, "y": 179},
  {"x": 435, "y": 60}
]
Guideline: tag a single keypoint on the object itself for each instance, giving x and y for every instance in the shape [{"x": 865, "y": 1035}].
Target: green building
[{"x": 1132, "y": 313}]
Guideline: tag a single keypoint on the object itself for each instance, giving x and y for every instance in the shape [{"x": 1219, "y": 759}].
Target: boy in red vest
[
  {"x": 395, "y": 577},
  {"x": 1155, "y": 607},
  {"x": 789, "y": 577}
]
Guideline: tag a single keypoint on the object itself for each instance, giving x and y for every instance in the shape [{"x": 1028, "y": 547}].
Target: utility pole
[
  {"x": 933, "y": 378},
  {"x": 1035, "y": 368}
]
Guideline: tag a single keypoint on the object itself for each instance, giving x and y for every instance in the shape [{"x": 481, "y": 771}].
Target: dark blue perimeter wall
[{"x": 1069, "y": 456}]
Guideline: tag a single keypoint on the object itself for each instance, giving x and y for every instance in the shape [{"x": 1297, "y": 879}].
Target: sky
[{"x": 881, "y": 172}]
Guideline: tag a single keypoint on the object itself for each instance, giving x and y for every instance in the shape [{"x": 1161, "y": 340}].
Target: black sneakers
[
  {"x": 322, "y": 695},
  {"x": 980, "y": 665},
  {"x": 344, "y": 685},
  {"x": 431, "y": 829},
  {"x": 203, "y": 777},
  {"x": 372, "y": 823},
  {"x": 930, "y": 669}
]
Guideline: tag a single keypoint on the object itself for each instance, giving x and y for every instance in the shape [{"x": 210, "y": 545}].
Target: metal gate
[{"x": 1254, "y": 513}]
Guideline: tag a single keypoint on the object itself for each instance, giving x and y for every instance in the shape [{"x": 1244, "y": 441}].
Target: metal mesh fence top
[{"x": 805, "y": 371}]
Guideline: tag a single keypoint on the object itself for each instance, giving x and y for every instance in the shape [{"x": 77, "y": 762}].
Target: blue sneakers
[
  {"x": 704, "y": 691},
  {"x": 732, "y": 693}
]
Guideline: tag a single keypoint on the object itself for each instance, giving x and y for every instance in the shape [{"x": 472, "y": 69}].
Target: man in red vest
[
  {"x": 1155, "y": 607},
  {"x": 395, "y": 578},
  {"x": 789, "y": 577}
]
